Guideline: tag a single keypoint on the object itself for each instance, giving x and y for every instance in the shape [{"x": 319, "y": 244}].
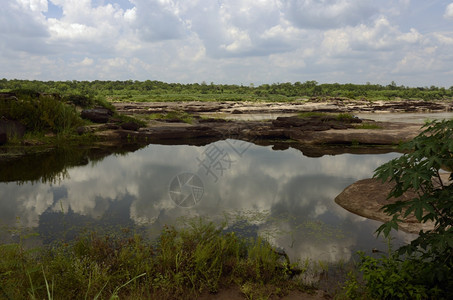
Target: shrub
[
  {"x": 391, "y": 277},
  {"x": 429, "y": 257},
  {"x": 80, "y": 100},
  {"x": 42, "y": 114}
]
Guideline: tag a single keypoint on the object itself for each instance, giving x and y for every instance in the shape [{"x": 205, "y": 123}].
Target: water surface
[{"x": 281, "y": 195}]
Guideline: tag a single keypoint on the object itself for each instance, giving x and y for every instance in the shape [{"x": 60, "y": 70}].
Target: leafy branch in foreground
[{"x": 420, "y": 171}]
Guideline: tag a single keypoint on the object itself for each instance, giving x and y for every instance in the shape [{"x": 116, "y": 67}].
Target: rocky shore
[
  {"x": 303, "y": 105},
  {"x": 214, "y": 121},
  {"x": 303, "y": 125}
]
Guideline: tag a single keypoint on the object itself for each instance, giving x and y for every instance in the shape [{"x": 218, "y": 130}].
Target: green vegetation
[
  {"x": 51, "y": 165},
  {"x": 422, "y": 269},
  {"x": 345, "y": 117},
  {"x": 41, "y": 114},
  {"x": 367, "y": 126},
  {"x": 51, "y": 119},
  {"x": 310, "y": 114},
  {"x": 122, "y": 119},
  {"x": 148, "y": 90},
  {"x": 172, "y": 115},
  {"x": 183, "y": 263}
]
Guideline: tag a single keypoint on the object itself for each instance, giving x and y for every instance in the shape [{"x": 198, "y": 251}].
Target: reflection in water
[{"x": 282, "y": 195}]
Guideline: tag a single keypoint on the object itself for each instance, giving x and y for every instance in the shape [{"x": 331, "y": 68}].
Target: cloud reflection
[{"x": 295, "y": 190}]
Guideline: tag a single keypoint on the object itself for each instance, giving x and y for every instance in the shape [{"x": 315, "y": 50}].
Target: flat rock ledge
[
  {"x": 255, "y": 131},
  {"x": 306, "y": 131},
  {"x": 366, "y": 198},
  {"x": 327, "y": 104}
]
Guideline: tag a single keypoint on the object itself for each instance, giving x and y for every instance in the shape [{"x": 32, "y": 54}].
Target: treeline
[{"x": 281, "y": 91}]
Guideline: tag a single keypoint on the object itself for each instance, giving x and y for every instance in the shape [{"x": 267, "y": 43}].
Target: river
[{"x": 282, "y": 195}]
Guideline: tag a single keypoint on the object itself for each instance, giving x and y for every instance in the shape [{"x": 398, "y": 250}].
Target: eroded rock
[
  {"x": 3, "y": 138},
  {"x": 130, "y": 126},
  {"x": 97, "y": 115},
  {"x": 366, "y": 198},
  {"x": 12, "y": 128}
]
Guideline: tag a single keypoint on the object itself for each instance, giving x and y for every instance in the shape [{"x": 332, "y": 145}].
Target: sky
[{"x": 245, "y": 42}]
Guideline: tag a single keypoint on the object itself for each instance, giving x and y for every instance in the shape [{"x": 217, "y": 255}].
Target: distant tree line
[{"x": 288, "y": 90}]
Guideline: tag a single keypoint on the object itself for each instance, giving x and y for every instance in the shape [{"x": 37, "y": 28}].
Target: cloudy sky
[{"x": 229, "y": 41}]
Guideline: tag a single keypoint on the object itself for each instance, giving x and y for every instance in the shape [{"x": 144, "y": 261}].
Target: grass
[
  {"x": 42, "y": 114},
  {"x": 337, "y": 116},
  {"x": 53, "y": 120},
  {"x": 183, "y": 263},
  {"x": 172, "y": 115},
  {"x": 344, "y": 117},
  {"x": 46, "y": 119},
  {"x": 130, "y": 119},
  {"x": 368, "y": 126},
  {"x": 310, "y": 114}
]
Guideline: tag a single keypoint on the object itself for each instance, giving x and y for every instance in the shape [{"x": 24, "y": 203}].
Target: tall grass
[
  {"x": 183, "y": 263},
  {"x": 44, "y": 113}
]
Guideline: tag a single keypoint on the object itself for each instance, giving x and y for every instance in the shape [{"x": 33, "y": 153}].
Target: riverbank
[
  {"x": 200, "y": 122},
  {"x": 314, "y": 132},
  {"x": 196, "y": 261},
  {"x": 314, "y": 127}
]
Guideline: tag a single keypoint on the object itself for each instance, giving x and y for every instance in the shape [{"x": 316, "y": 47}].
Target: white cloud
[
  {"x": 444, "y": 38},
  {"x": 328, "y": 13},
  {"x": 22, "y": 20},
  {"x": 87, "y": 62},
  {"x": 240, "y": 41},
  {"x": 411, "y": 37},
  {"x": 157, "y": 20},
  {"x": 34, "y": 5},
  {"x": 72, "y": 31},
  {"x": 449, "y": 11},
  {"x": 230, "y": 41}
]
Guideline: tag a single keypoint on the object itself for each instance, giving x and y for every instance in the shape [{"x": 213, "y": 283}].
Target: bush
[
  {"x": 426, "y": 264},
  {"x": 390, "y": 277},
  {"x": 41, "y": 114},
  {"x": 80, "y": 100}
]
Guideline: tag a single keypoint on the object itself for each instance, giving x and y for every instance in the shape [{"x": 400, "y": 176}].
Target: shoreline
[{"x": 316, "y": 134}]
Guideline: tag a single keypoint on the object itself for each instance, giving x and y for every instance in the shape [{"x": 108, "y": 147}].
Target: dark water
[{"x": 283, "y": 195}]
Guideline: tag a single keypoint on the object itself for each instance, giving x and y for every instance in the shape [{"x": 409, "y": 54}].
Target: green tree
[{"x": 420, "y": 171}]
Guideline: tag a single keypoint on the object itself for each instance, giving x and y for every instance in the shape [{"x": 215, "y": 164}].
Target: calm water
[{"x": 282, "y": 195}]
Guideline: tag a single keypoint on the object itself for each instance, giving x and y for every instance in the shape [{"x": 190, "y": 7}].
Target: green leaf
[{"x": 425, "y": 155}]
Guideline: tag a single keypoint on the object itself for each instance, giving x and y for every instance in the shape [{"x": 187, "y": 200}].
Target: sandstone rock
[
  {"x": 366, "y": 198},
  {"x": 315, "y": 123},
  {"x": 327, "y": 104},
  {"x": 3, "y": 138},
  {"x": 389, "y": 135},
  {"x": 12, "y": 128},
  {"x": 97, "y": 115},
  {"x": 112, "y": 126},
  {"x": 82, "y": 129},
  {"x": 130, "y": 126}
]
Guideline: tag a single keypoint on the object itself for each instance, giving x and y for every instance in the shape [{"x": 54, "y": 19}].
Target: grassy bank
[
  {"x": 183, "y": 263},
  {"x": 32, "y": 118}
]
